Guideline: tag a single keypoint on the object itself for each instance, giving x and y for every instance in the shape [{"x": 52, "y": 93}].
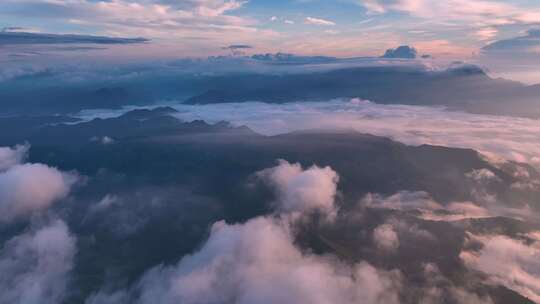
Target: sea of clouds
[{"x": 497, "y": 137}]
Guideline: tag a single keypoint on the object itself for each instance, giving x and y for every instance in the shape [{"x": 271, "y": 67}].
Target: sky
[{"x": 450, "y": 29}]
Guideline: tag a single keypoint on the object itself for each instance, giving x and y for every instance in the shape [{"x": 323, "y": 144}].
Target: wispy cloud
[
  {"x": 525, "y": 43},
  {"x": 237, "y": 49},
  {"x": 484, "y": 19},
  {"x": 510, "y": 262},
  {"x": 167, "y": 21},
  {"x": 479, "y": 11},
  {"x": 318, "y": 21},
  {"x": 16, "y": 38}
]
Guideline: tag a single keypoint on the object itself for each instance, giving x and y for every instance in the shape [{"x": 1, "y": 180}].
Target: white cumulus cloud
[
  {"x": 35, "y": 265},
  {"x": 386, "y": 238},
  {"x": 26, "y": 188},
  {"x": 257, "y": 262},
  {"x": 10, "y": 157},
  {"x": 302, "y": 190}
]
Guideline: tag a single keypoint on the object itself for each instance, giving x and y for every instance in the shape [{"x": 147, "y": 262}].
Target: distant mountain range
[{"x": 464, "y": 87}]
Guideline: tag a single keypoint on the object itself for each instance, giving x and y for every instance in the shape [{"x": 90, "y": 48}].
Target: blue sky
[{"x": 446, "y": 28}]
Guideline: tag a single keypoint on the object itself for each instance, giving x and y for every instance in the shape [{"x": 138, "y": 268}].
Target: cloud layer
[{"x": 419, "y": 203}]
